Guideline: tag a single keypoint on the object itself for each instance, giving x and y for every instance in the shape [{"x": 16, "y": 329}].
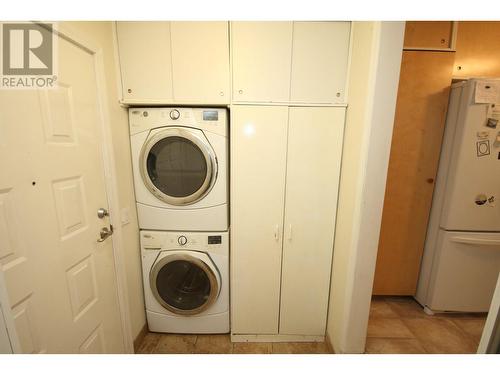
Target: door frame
[
  {"x": 362, "y": 182},
  {"x": 69, "y": 33}
]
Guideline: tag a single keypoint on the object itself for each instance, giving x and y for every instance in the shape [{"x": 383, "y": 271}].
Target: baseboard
[
  {"x": 276, "y": 338},
  {"x": 140, "y": 337}
]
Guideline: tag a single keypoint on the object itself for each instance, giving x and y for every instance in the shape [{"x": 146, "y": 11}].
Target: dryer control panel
[
  {"x": 196, "y": 241},
  {"x": 210, "y": 119}
]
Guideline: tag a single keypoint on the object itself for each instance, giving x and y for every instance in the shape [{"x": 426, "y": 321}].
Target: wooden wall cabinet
[
  {"x": 429, "y": 35},
  {"x": 290, "y": 62},
  {"x": 174, "y": 62},
  {"x": 477, "y": 53},
  {"x": 285, "y": 165}
]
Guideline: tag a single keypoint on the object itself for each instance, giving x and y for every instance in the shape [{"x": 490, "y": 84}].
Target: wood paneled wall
[{"x": 424, "y": 86}]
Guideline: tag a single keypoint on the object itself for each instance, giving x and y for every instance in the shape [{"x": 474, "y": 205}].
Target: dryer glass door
[
  {"x": 178, "y": 166},
  {"x": 184, "y": 284}
]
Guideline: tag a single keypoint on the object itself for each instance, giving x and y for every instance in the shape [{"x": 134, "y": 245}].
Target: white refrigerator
[{"x": 461, "y": 258}]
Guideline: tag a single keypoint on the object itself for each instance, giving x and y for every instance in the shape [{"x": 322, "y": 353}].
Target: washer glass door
[
  {"x": 178, "y": 166},
  {"x": 184, "y": 284}
]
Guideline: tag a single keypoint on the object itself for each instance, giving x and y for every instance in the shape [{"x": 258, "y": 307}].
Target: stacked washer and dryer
[{"x": 179, "y": 158}]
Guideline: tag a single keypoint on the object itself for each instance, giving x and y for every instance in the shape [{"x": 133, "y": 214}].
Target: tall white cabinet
[{"x": 285, "y": 168}]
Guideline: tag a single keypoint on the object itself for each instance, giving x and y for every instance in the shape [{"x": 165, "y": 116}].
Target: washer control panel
[{"x": 196, "y": 241}]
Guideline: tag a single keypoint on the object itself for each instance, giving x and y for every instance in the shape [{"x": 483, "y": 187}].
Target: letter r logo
[{"x": 27, "y": 49}]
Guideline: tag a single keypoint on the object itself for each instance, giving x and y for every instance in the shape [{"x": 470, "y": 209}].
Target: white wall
[
  {"x": 102, "y": 34},
  {"x": 373, "y": 83}
]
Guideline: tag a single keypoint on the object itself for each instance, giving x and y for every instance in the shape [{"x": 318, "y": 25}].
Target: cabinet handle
[
  {"x": 290, "y": 232},
  {"x": 277, "y": 232}
]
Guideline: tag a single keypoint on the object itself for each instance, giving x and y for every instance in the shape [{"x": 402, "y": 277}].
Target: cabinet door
[
  {"x": 258, "y": 159},
  {"x": 200, "y": 62},
  {"x": 145, "y": 61},
  {"x": 428, "y": 34},
  {"x": 313, "y": 165},
  {"x": 319, "y": 61},
  {"x": 262, "y": 54}
]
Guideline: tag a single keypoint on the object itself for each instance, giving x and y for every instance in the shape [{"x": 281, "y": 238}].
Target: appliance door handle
[
  {"x": 277, "y": 232},
  {"x": 289, "y": 232},
  {"x": 476, "y": 241}
]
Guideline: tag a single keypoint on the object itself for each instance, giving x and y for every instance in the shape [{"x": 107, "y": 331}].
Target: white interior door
[
  {"x": 60, "y": 281},
  {"x": 258, "y": 161},
  {"x": 313, "y": 166}
]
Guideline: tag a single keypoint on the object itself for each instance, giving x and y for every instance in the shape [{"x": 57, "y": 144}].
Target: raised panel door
[{"x": 60, "y": 281}]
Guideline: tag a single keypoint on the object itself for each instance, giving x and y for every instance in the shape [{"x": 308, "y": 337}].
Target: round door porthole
[
  {"x": 178, "y": 166},
  {"x": 183, "y": 284}
]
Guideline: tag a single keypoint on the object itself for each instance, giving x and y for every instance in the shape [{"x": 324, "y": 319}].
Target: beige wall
[
  {"x": 102, "y": 34},
  {"x": 373, "y": 82}
]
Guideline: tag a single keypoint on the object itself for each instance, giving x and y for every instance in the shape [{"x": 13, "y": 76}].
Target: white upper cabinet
[
  {"x": 272, "y": 62},
  {"x": 290, "y": 62},
  {"x": 174, "y": 62},
  {"x": 200, "y": 62},
  {"x": 261, "y": 55},
  {"x": 319, "y": 62},
  {"x": 145, "y": 61}
]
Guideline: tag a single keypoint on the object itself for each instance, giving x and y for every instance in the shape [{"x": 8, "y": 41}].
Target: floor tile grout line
[{"x": 464, "y": 333}]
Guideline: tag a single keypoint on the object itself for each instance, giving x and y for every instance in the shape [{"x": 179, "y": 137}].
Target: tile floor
[
  {"x": 156, "y": 343},
  {"x": 398, "y": 325}
]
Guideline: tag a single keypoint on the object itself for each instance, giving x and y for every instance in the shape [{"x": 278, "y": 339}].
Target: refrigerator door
[
  {"x": 464, "y": 271},
  {"x": 472, "y": 194}
]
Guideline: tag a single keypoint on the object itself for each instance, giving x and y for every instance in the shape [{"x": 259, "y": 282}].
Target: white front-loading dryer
[
  {"x": 186, "y": 281},
  {"x": 179, "y": 160}
]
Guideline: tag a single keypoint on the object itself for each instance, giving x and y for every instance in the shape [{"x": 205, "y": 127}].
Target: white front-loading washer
[
  {"x": 186, "y": 281},
  {"x": 179, "y": 160}
]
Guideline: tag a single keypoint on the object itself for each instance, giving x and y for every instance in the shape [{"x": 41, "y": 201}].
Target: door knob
[
  {"x": 102, "y": 212},
  {"x": 105, "y": 233}
]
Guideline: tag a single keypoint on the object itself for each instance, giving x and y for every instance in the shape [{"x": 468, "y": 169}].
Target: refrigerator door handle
[{"x": 476, "y": 241}]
